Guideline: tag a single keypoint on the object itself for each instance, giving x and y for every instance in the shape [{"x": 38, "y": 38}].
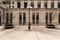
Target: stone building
[{"x": 36, "y": 12}]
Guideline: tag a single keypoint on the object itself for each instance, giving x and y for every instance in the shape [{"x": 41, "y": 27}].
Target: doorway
[{"x": 9, "y": 18}]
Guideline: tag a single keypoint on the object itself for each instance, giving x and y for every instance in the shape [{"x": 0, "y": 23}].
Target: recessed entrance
[{"x": 8, "y": 23}]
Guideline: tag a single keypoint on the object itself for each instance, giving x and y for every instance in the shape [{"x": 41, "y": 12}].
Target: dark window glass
[
  {"x": 8, "y": 2},
  {"x": 46, "y": 18},
  {"x": 18, "y": 4},
  {"x": 9, "y": 6},
  {"x": 37, "y": 18},
  {"x": 11, "y": 18},
  {"x": 20, "y": 18},
  {"x": 45, "y": 0},
  {"x": 13, "y": 2},
  {"x": 39, "y": 5},
  {"x": 24, "y": 18},
  {"x": 33, "y": 18},
  {"x": 58, "y": 4},
  {"x": 38, "y": 0},
  {"x": 25, "y": 4},
  {"x": 25, "y": 0},
  {"x": 32, "y": 0},
  {"x": 32, "y": 4},
  {"x": 45, "y": 4},
  {"x": 0, "y": 17},
  {"x": 50, "y": 18},
  {"x": 7, "y": 18},
  {"x": 4, "y": 2},
  {"x": 59, "y": 18},
  {"x": 52, "y": 4},
  {"x": 13, "y": 6},
  {"x": 52, "y": 0}
]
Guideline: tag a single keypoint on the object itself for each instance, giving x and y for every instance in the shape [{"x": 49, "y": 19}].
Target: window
[
  {"x": 9, "y": 17},
  {"x": 13, "y": 2},
  {"x": 32, "y": 0},
  {"x": 8, "y": 2},
  {"x": 52, "y": 4},
  {"x": 0, "y": 12},
  {"x": 0, "y": 3},
  {"x": 9, "y": 6},
  {"x": 58, "y": 4},
  {"x": 45, "y": 0},
  {"x": 13, "y": 6},
  {"x": 0, "y": 17},
  {"x": 0, "y": 7},
  {"x": 24, "y": 18},
  {"x": 58, "y": 0},
  {"x": 20, "y": 18},
  {"x": 32, "y": 4},
  {"x": 45, "y": 4},
  {"x": 37, "y": 18},
  {"x": 25, "y": 0},
  {"x": 4, "y": 2},
  {"x": 39, "y": 4},
  {"x": 25, "y": 4},
  {"x": 18, "y": 4},
  {"x": 46, "y": 18},
  {"x": 50, "y": 17},
  {"x": 39, "y": 0},
  {"x": 33, "y": 18},
  {"x": 52, "y": 0},
  {"x": 59, "y": 18}
]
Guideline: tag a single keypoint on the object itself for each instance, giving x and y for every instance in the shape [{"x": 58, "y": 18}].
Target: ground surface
[{"x": 41, "y": 34}]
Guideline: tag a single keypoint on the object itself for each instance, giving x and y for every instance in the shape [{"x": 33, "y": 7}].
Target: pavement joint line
[
  {"x": 38, "y": 38},
  {"x": 8, "y": 32}
]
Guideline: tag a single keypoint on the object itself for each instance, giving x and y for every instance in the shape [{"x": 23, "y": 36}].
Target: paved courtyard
[{"x": 35, "y": 34}]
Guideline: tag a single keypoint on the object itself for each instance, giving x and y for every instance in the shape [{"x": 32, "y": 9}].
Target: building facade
[{"x": 40, "y": 13}]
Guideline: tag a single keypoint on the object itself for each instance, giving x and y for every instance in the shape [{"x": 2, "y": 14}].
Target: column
[
  {"x": 35, "y": 4},
  {"x": 15, "y": 4},
  {"x": 22, "y": 4},
  {"x": 11, "y": 4},
  {"x": 49, "y": 4},
  {"x": 42, "y": 4},
  {"x": 55, "y": 4},
  {"x": 29, "y": 3}
]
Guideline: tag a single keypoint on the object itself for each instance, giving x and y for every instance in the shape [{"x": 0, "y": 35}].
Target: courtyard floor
[{"x": 35, "y": 34}]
